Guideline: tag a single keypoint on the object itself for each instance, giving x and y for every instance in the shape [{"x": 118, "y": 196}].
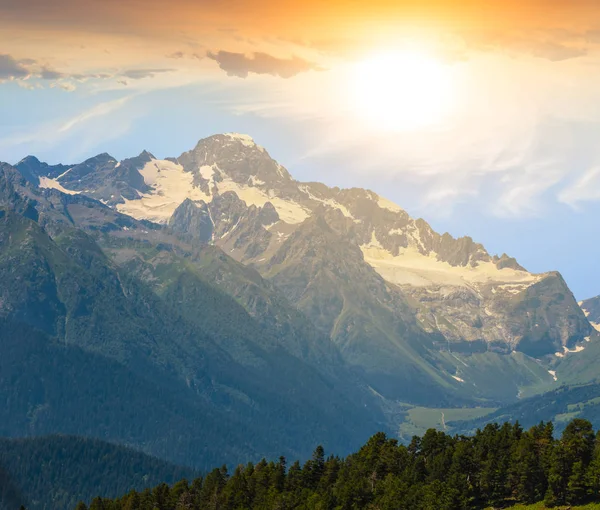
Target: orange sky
[
  {"x": 97, "y": 35},
  {"x": 308, "y": 20}
]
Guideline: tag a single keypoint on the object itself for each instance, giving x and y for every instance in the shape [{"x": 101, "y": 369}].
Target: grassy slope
[{"x": 420, "y": 419}]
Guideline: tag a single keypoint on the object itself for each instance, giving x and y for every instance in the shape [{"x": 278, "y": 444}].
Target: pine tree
[{"x": 576, "y": 487}]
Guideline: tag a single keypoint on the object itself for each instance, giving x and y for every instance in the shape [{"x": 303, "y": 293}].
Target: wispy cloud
[
  {"x": 93, "y": 126},
  {"x": 97, "y": 111},
  {"x": 585, "y": 189}
]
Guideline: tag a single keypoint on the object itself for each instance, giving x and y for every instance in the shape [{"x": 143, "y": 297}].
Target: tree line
[{"x": 498, "y": 466}]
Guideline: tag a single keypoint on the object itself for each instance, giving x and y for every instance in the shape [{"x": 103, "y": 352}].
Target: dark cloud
[
  {"x": 177, "y": 54},
  {"x": 138, "y": 74},
  {"x": 240, "y": 65},
  {"x": 11, "y": 69},
  {"x": 49, "y": 74}
]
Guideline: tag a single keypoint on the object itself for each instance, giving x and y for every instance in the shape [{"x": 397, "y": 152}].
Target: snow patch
[
  {"x": 207, "y": 172},
  {"x": 244, "y": 139},
  {"x": 46, "y": 182},
  {"x": 171, "y": 186},
  {"x": 329, "y": 201},
  {"x": 288, "y": 210},
  {"x": 384, "y": 203},
  {"x": 553, "y": 374},
  {"x": 566, "y": 350},
  {"x": 458, "y": 378},
  {"x": 512, "y": 288},
  {"x": 256, "y": 181},
  {"x": 411, "y": 267},
  {"x": 64, "y": 173}
]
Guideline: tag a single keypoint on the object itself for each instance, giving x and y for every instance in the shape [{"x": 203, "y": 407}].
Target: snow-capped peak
[{"x": 246, "y": 140}]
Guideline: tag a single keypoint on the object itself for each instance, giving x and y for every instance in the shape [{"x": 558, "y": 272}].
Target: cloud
[
  {"x": 11, "y": 69},
  {"x": 29, "y": 69},
  {"x": 240, "y": 65},
  {"x": 180, "y": 54},
  {"x": 93, "y": 126},
  {"x": 26, "y": 68},
  {"x": 64, "y": 85},
  {"x": 49, "y": 74},
  {"x": 99, "y": 110},
  {"x": 550, "y": 44},
  {"x": 139, "y": 74},
  {"x": 84, "y": 77},
  {"x": 585, "y": 189}
]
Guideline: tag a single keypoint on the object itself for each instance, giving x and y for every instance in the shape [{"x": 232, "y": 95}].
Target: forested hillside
[
  {"x": 558, "y": 406},
  {"x": 499, "y": 466},
  {"x": 54, "y": 472}
]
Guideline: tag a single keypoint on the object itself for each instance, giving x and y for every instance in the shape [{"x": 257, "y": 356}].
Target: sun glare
[{"x": 401, "y": 90}]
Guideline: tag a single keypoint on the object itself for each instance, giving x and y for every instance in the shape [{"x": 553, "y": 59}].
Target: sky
[{"x": 481, "y": 117}]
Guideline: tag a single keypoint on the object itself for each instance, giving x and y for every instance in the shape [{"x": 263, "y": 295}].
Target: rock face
[
  {"x": 401, "y": 301},
  {"x": 591, "y": 308},
  {"x": 193, "y": 218}
]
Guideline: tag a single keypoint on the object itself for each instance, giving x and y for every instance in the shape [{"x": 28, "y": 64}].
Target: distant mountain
[
  {"x": 93, "y": 349},
  {"x": 401, "y": 302},
  {"x": 56, "y": 472},
  {"x": 559, "y": 406}
]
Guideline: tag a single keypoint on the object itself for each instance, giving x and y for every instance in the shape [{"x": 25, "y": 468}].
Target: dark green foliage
[
  {"x": 497, "y": 467},
  {"x": 88, "y": 349},
  {"x": 580, "y": 400},
  {"x": 55, "y": 472},
  {"x": 10, "y": 496}
]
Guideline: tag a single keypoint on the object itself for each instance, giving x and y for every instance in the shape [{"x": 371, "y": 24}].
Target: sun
[{"x": 401, "y": 90}]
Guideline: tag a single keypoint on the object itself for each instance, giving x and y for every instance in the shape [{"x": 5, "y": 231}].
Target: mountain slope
[
  {"x": 558, "y": 406},
  {"x": 83, "y": 306},
  {"x": 55, "y": 472},
  {"x": 400, "y": 301},
  {"x": 396, "y": 297},
  {"x": 10, "y": 495}
]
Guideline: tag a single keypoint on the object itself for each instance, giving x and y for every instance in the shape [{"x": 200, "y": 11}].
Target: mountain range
[{"x": 209, "y": 308}]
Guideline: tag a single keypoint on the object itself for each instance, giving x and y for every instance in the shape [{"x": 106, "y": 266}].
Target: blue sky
[
  {"x": 556, "y": 236},
  {"x": 488, "y": 127}
]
